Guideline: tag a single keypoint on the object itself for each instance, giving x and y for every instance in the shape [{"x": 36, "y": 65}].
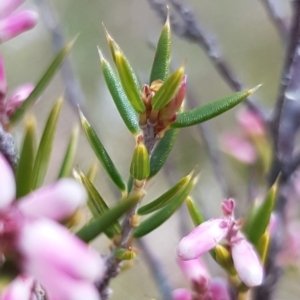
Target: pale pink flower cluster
[
  {"x": 14, "y": 23},
  {"x": 203, "y": 287},
  {"x": 240, "y": 145},
  {"x": 207, "y": 235},
  {"x": 43, "y": 250}
]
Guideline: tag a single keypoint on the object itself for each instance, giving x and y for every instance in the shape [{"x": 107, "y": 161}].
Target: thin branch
[
  {"x": 290, "y": 78},
  {"x": 74, "y": 92},
  {"x": 158, "y": 274},
  {"x": 280, "y": 23},
  {"x": 190, "y": 29},
  {"x": 212, "y": 150}
]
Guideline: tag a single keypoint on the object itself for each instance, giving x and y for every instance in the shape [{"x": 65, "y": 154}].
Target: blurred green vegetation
[{"x": 248, "y": 41}]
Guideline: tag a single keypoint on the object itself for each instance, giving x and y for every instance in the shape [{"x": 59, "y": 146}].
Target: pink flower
[
  {"x": 207, "y": 235},
  {"x": 8, "y": 105},
  {"x": 64, "y": 265},
  {"x": 239, "y": 147},
  {"x": 13, "y": 24},
  {"x": 203, "y": 288},
  {"x": 251, "y": 123}
]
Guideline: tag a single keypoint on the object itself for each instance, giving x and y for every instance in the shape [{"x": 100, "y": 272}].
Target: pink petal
[
  {"x": 182, "y": 294},
  {"x": 202, "y": 239},
  {"x": 19, "y": 289},
  {"x": 219, "y": 289},
  {"x": 3, "y": 84},
  {"x": 228, "y": 207},
  {"x": 18, "y": 97},
  {"x": 251, "y": 122},
  {"x": 7, "y": 183},
  {"x": 56, "y": 201},
  {"x": 246, "y": 263},
  {"x": 239, "y": 148},
  {"x": 60, "y": 286},
  {"x": 45, "y": 244},
  {"x": 16, "y": 24},
  {"x": 8, "y": 6},
  {"x": 194, "y": 270}
]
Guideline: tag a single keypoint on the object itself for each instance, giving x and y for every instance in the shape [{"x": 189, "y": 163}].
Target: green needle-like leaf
[
  {"x": 194, "y": 212},
  {"x": 129, "y": 82},
  {"x": 124, "y": 107},
  {"x": 98, "y": 225},
  {"x": 92, "y": 172},
  {"x": 210, "y": 110},
  {"x": 67, "y": 163},
  {"x": 45, "y": 147},
  {"x": 161, "y": 63},
  {"x": 98, "y": 206},
  {"x": 102, "y": 154},
  {"x": 167, "y": 197},
  {"x": 259, "y": 218},
  {"x": 43, "y": 83},
  {"x": 25, "y": 165},
  {"x": 168, "y": 90},
  {"x": 162, "y": 151},
  {"x": 163, "y": 214}
]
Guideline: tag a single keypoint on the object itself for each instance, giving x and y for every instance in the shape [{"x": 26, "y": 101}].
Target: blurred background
[{"x": 252, "y": 47}]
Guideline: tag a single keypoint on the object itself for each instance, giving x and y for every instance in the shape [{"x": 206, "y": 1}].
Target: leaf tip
[{"x": 251, "y": 91}]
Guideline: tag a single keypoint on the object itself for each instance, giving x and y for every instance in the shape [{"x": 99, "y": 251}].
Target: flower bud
[
  {"x": 246, "y": 262},
  {"x": 16, "y": 24},
  {"x": 203, "y": 238}
]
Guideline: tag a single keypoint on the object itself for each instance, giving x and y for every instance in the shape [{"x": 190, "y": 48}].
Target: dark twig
[
  {"x": 289, "y": 79},
  {"x": 74, "y": 92},
  {"x": 7, "y": 147},
  {"x": 158, "y": 274},
  {"x": 190, "y": 29},
  {"x": 280, "y": 23}
]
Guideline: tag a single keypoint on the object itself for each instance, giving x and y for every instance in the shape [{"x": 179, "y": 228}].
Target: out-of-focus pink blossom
[
  {"x": 290, "y": 254},
  {"x": 63, "y": 264},
  {"x": 219, "y": 289},
  {"x": 251, "y": 123},
  {"x": 8, "y": 105},
  {"x": 19, "y": 289},
  {"x": 12, "y": 24},
  {"x": 182, "y": 294},
  {"x": 207, "y": 235},
  {"x": 239, "y": 148}
]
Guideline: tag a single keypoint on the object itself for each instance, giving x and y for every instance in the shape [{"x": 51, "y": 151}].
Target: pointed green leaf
[
  {"x": 102, "y": 154},
  {"x": 210, "y": 110},
  {"x": 67, "y": 163},
  {"x": 167, "y": 197},
  {"x": 162, "y": 151},
  {"x": 98, "y": 206},
  {"x": 124, "y": 107},
  {"x": 260, "y": 217},
  {"x": 124, "y": 254},
  {"x": 92, "y": 172},
  {"x": 128, "y": 80},
  {"x": 194, "y": 212},
  {"x": 98, "y": 225},
  {"x": 43, "y": 83},
  {"x": 25, "y": 165},
  {"x": 163, "y": 214},
  {"x": 140, "y": 163},
  {"x": 45, "y": 147},
  {"x": 168, "y": 90},
  {"x": 161, "y": 64}
]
